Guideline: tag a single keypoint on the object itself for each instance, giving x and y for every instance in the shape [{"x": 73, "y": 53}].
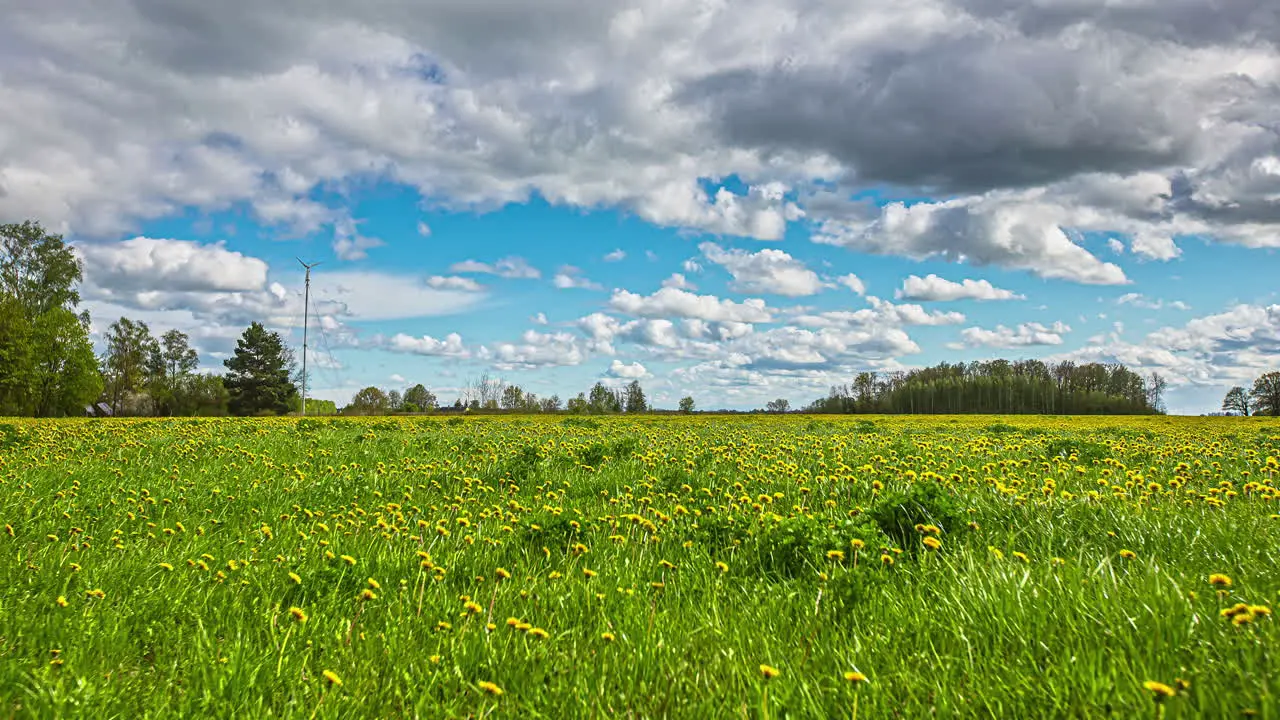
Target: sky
[{"x": 735, "y": 201}]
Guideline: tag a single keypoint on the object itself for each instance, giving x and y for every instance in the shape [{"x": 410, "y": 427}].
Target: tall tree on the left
[
  {"x": 47, "y": 366},
  {"x": 259, "y": 374}
]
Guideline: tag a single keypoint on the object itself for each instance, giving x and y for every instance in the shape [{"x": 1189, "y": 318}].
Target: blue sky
[{"x": 737, "y": 203}]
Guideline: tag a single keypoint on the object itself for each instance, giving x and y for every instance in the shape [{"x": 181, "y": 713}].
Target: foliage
[
  {"x": 1000, "y": 386},
  {"x": 420, "y": 397},
  {"x": 898, "y": 514},
  {"x": 687, "y": 404},
  {"x": 1266, "y": 394},
  {"x": 259, "y": 374},
  {"x": 47, "y": 366}
]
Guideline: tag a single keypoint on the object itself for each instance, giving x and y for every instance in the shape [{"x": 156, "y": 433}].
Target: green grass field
[{"x": 656, "y": 567}]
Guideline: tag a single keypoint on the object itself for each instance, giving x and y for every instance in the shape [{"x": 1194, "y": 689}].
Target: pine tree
[{"x": 259, "y": 374}]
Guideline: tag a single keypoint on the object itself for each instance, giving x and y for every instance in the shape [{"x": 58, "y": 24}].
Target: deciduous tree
[
  {"x": 1236, "y": 402},
  {"x": 1266, "y": 395}
]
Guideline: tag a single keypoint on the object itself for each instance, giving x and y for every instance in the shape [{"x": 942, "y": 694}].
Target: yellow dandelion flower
[
  {"x": 367, "y": 594},
  {"x": 836, "y": 555},
  {"x": 502, "y": 574},
  {"x": 1159, "y": 690},
  {"x": 886, "y": 559},
  {"x": 374, "y": 584},
  {"x": 166, "y": 566},
  {"x": 295, "y": 578},
  {"x": 539, "y": 633},
  {"x": 1128, "y": 554},
  {"x": 722, "y": 566},
  {"x": 332, "y": 677},
  {"x": 587, "y": 572},
  {"x": 348, "y": 560},
  {"x": 607, "y": 637},
  {"x": 489, "y": 688},
  {"x": 61, "y": 601},
  {"x": 298, "y": 614},
  {"x": 769, "y": 672},
  {"x": 932, "y": 542},
  {"x": 855, "y": 677},
  {"x": 1219, "y": 580}
]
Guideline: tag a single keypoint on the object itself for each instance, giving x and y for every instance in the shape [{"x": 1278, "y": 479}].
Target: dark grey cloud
[{"x": 966, "y": 115}]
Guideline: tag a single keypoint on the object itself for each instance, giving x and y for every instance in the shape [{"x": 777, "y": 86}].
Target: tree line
[
  {"x": 48, "y": 367},
  {"x": 1000, "y": 387},
  {"x": 494, "y": 394}
]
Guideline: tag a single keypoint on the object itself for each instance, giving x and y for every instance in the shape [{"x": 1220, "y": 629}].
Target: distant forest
[{"x": 1000, "y": 387}]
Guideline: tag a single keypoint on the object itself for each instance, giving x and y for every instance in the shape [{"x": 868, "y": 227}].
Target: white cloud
[
  {"x": 539, "y": 319},
  {"x": 1008, "y": 229},
  {"x": 454, "y": 282},
  {"x": 424, "y": 229},
  {"x": 766, "y": 271},
  {"x": 1155, "y": 246},
  {"x": 451, "y": 346},
  {"x": 679, "y": 282},
  {"x": 508, "y": 267},
  {"x": 853, "y": 282},
  {"x": 1115, "y": 246},
  {"x": 538, "y": 350},
  {"x": 633, "y": 371},
  {"x": 349, "y": 244},
  {"x": 162, "y": 265},
  {"x": 881, "y": 313},
  {"x": 1141, "y": 301},
  {"x": 1025, "y": 335},
  {"x": 671, "y": 302},
  {"x": 397, "y": 378},
  {"x": 616, "y": 255},
  {"x": 570, "y": 277},
  {"x": 935, "y": 288}
]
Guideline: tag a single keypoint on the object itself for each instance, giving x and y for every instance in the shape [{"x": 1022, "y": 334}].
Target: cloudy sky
[{"x": 738, "y": 201}]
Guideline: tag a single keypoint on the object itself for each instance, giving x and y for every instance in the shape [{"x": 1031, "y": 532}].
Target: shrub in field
[{"x": 898, "y": 513}]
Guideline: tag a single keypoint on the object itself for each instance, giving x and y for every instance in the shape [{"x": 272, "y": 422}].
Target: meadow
[{"x": 553, "y": 567}]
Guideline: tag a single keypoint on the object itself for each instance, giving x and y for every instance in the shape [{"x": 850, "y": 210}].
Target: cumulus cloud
[
  {"x": 451, "y": 346},
  {"x": 1004, "y": 109},
  {"x": 537, "y": 350},
  {"x": 935, "y": 288},
  {"x": 765, "y": 271},
  {"x": 571, "y": 277},
  {"x": 671, "y": 302},
  {"x": 163, "y": 265},
  {"x": 1024, "y": 335},
  {"x": 853, "y": 282},
  {"x": 349, "y": 244},
  {"x": 995, "y": 229},
  {"x": 616, "y": 256},
  {"x": 1139, "y": 300},
  {"x": 632, "y": 371},
  {"x": 679, "y": 282}
]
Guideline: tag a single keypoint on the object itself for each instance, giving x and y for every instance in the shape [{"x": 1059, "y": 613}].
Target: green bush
[{"x": 926, "y": 503}]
